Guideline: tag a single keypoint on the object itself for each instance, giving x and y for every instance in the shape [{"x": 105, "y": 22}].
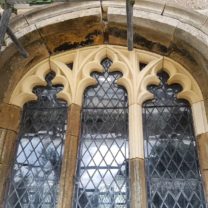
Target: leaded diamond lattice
[
  {"x": 173, "y": 177},
  {"x": 102, "y": 170},
  {"x": 36, "y": 171}
]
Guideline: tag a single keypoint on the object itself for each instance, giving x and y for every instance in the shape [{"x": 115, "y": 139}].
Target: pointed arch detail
[
  {"x": 178, "y": 74},
  {"x": 73, "y": 69}
]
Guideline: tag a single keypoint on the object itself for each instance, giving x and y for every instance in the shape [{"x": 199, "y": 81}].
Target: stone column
[
  {"x": 202, "y": 141},
  {"x": 137, "y": 169},
  {"x": 137, "y": 183},
  {"x": 9, "y": 126},
  {"x": 69, "y": 162}
]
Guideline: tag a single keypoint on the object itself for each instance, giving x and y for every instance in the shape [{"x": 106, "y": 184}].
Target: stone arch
[
  {"x": 180, "y": 35},
  {"x": 86, "y": 60}
]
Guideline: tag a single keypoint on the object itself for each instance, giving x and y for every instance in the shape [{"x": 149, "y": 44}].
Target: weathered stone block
[
  {"x": 7, "y": 146},
  {"x": 4, "y": 174},
  {"x": 150, "y": 6},
  {"x": 184, "y": 15},
  {"x": 68, "y": 171},
  {"x": 10, "y": 117},
  {"x": 69, "y": 162},
  {"x": 74, "y": 120},
  {"x": 137, "y": 183},
  {"x": 146, "y": 35},
  {"x": 18, "y": 23},
  {"x": 189, "y": 49},
  {"x": 206, "y": 106},
  {"x": 74, "y": 33},
  {"x": 13, "y": 66},
  {"x": 205, "y": 182},
  {"x": 202, "y": 141},
  {"x": 59, "y": 10}
]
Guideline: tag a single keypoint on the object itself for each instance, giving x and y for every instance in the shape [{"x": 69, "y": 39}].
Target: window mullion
[
  {"x": 70, "y": 157},
  {"x": 136, "y": 160}
]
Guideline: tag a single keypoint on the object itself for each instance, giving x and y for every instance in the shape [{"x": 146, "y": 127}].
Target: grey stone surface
[{"x": 195, "y": 4}]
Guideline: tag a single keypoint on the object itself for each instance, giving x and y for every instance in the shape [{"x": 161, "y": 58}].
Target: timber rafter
[{"x": 8, "y": 7}]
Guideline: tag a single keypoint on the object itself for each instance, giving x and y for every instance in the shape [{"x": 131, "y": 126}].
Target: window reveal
[
  {"x": 102, "y": 169},
  {"x": 173, "y": 177},
  {"x": 36, "y": 171}
]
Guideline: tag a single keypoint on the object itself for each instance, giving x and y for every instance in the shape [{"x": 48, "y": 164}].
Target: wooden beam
[
  {"x": 4, "y": 22},
  {"x": 20, "y": 48},
  {"x": 4, "y": 28},
  {"x": 130, "y": 32}
]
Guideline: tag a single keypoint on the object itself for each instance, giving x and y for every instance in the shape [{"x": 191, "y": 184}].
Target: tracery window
[
  {"x": 173, "y": 177},
  {"x": 102, "y": 172},
  {"x": 102, "y": 175},
  {"x": 36, "y": 170}
]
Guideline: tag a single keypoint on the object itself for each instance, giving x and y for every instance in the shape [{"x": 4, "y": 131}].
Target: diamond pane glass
[
  {"x": 102, "y": 170},
  {"x": 36, "y": 171},
  {"x": 173, "y": 177}
]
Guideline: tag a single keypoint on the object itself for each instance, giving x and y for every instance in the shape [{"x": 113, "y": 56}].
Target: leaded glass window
[
  {"x": 102, "y": 169},
  {"x": 173, "y": 176},
  {"x": 36, "y": 170}
]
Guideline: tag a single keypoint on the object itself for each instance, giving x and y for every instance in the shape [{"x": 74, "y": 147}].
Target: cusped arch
[
  {"x": 128, "y": 62},
  {"x": 75, "y": 78},
  {"x": 190, "y": 89},
  {"x": 177, "y": 75},
  {"x": 78, "y": 78},
  {"x": 23, "y": 91},
  {"x": 73, "y": 70},
  {"x": 88, "y": 60}
]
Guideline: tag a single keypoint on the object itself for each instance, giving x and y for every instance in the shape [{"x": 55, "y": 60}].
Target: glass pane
[
  {"x": 36, "y": 171},
  {"x": 173, "y": 177},
  {"x": 102, "y": 173}
]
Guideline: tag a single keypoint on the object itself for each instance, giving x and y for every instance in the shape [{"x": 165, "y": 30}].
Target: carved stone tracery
[{"x": 73, "y": 71}]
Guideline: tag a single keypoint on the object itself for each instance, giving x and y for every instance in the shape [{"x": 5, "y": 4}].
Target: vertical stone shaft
[
  {"x": 9, "y": 126},
  {"x": 202, "y": 141},
  {"x": 69, "y": 162},
  {"x": 137, "y": 183}
]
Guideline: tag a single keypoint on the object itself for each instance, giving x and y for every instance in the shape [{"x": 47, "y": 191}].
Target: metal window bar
[
  {"x": 102, "y": 179},
  {"x": 35, "y": 175},
  {"x": 173, "y": 175}
]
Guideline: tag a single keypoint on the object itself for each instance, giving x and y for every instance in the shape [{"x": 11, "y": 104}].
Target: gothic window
[
  {"x": 173, "y": 176},
  {"x": 36, "y": 170},
  {"x": 162, "y": 146},
  {"x": 102, "y": 168}
]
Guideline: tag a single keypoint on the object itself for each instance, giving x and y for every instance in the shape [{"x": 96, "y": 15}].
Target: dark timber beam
[
  {"x": 4, "y": 22},
  {"x": 130, "y": 32},
  {"x": 20, "y": 48},
  {"x": 4, "y": 27}
]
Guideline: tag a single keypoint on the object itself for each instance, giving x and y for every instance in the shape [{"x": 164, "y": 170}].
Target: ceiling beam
[
  {"x": 4, "y": 22},
  {"x": 130, "y": 31},
  {"x": 8, "y": 7}
]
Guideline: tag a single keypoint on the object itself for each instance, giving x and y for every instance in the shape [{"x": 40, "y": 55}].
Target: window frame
[{"x": 77, "y": 79}]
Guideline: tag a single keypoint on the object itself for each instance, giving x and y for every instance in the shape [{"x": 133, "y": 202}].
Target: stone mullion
[
  {"x": 69, "y": 162},
  {"x": 201, "y": 132},
  {"x": 9, "y": 127},
  {"x": 137, "y": 183},
  {"x": 138, "y": 189},
  {"x": 202, "y": 141}
]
